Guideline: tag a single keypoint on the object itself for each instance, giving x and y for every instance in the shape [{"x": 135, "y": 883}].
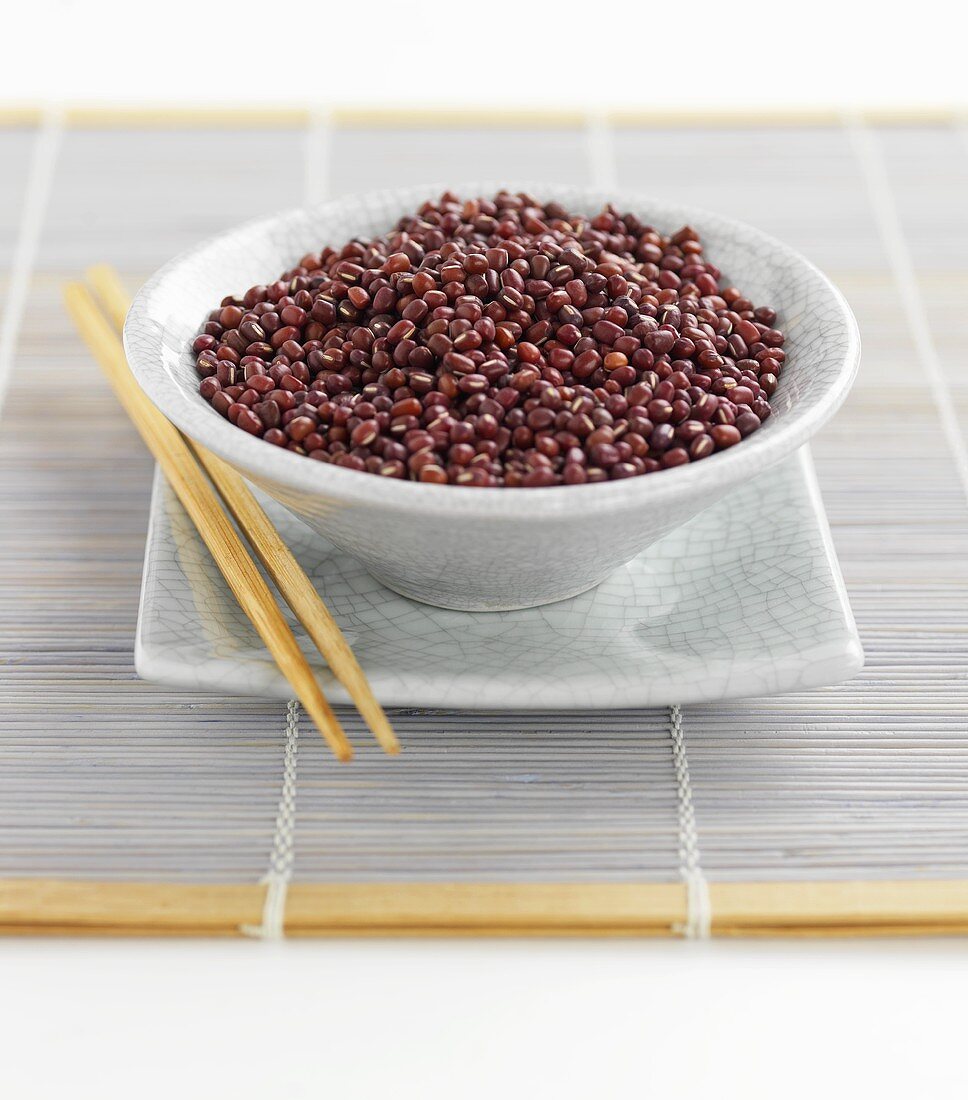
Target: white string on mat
[
  {"x": 871, "y": 161},
  {"x": 600, "y": 148},
  {"x": 316, "y": 150},
  {"x": 40, "y": 177},
  {"x": 283, "y": 853},
  {"x": 698, "y": 907}
]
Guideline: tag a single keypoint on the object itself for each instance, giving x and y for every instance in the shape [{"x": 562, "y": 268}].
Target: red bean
[
  {"x": 402, "y": 330},
  {"x": 746, "y": 423},
  {"x": 725, "y": 435},
  {"x": 248, "y": 421},
  {"x": 497, "y": 341},
  {"x": 586, "y": 364},
  {"x": 299, "y": 427},
  {"x": 230, "y": 317},
  {"x": 661, "y": 438},
  {"x": 701, "y": 447}
]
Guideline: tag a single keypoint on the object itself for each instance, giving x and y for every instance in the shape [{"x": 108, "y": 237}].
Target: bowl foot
[{"x": 508, "y": 602}]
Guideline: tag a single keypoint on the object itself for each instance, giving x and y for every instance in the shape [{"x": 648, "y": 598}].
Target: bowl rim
[{"x": 296, "y": 473}]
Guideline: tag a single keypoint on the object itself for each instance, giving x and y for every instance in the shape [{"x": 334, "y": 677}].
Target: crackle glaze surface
[
  {"x": 745, "y": 599},
  {"x": 491, "y": 549}
]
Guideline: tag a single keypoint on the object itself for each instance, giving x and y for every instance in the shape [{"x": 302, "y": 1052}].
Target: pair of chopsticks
[{"x": 205, "y": 499}]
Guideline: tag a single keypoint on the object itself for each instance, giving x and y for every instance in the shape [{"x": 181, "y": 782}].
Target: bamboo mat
[{"x": 128, "y": 808}]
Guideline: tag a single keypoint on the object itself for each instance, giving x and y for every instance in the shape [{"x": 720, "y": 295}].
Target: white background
[
  {"x": 495, "y": 1020},
  {"x": 368, "y": 1019},
  {"x": 700, "y": 53}
]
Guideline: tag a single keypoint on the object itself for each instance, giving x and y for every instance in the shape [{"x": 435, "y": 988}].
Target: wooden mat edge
[
  {"x": 162, "y": 116},
  {"x": 68, "y": 907}
]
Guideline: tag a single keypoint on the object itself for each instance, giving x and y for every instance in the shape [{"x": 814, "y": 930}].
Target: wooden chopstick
[
  {"x": 205, "y": 510},
  {"x": 288, "y": 575}
]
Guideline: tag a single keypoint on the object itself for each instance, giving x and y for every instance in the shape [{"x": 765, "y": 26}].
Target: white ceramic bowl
[{"x": 490, "y": 549}]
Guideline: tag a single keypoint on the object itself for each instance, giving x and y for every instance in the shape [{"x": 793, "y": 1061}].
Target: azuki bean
[
  {"x": 746, "y": 423},
  {"x": 497, "y": 342},
  {"x": 701, "y": 447},
  {"x": 725, "y": 435}
]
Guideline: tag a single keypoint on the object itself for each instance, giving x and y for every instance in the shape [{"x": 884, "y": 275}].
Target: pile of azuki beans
[{"x": 497, "y": 342}]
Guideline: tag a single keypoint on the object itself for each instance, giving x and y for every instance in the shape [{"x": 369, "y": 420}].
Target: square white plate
[{"x": 745, "y": 599}]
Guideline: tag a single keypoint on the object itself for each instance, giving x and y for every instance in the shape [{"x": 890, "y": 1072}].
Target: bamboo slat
[
  {"x": 836, "y": 812},
  {"x": 742, "y": 909},
  {"x": 246, "y": 116}
]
